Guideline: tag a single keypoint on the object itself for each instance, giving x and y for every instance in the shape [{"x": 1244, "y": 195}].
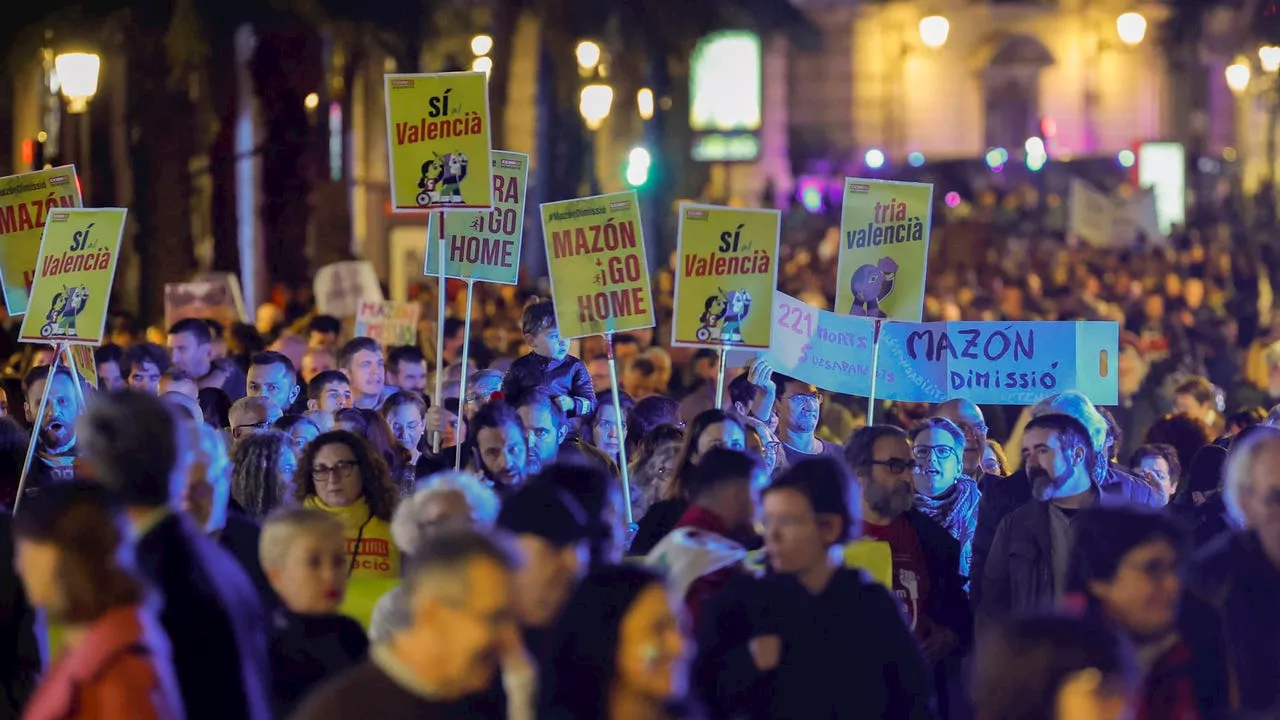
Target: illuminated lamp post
[
  {"x": 78, "y": 79},
  {"x": 595, "y": 100}
]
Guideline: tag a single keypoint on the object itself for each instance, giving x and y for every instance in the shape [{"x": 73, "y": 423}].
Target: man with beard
[
  {"x": 799, "y": 406},
  {"x": 925, "y": 558},
  {"x": 1026, "y": 567},
  {"x": 544, "y": 425},
  {"x": 463, "y": 629},
  {"x": 56, "y": 449},
  {"x": 501, "y": 451}
]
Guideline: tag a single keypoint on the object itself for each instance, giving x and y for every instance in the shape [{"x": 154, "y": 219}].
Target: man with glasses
[
  {"x": 968, "y": 417},
  {"x": 799, "y": 409},
  {"x": 925, "y": 558},
  {"x": 251, "y": 415}
]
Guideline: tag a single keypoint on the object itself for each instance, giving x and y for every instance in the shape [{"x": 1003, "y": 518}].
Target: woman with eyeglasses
[
  {"x": 341, "y": 474},
  {"x": 710, "y": 429},
  {"x": 943, "y": 491},
  {"x": 1125, "y": 574}
]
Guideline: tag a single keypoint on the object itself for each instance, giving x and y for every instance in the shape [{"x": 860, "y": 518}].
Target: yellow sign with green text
[
  {"x": 597, "y": 265},
  {"x": 726, "y": 271},
  {"x": 25, "y": 202},
  {"x": 484, "y": 245},
  {"x": 75, "y": 271},
  {"x": 438, "y": 135},
  {"x": 884, "y": 249}
]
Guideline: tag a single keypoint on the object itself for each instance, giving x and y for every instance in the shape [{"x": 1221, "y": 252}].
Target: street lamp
[
  {"x": 78, "y": 76},
  {"x": 644, "y": 103},
  {"x": 934, "y": 30},
  {"x": 481, "y": 45},
  {"x": 482, "y": 64},
  {"x": 1132, "y": 28},
  {"x": 588, "y": 54},
  {"x": 594, "y": 104},
  {"x": 1269, "y": 56},
  {"x": 1237, "y": 75}
]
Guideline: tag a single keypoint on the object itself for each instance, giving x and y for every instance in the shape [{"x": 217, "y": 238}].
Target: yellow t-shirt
[{"x": 374, "y": 559}]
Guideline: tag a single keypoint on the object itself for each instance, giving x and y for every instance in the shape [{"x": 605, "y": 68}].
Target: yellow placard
[
  {"x": 884, "y": 249},
  {"x": 873, "y": 556},
  {"x": 598, "y": 269},
  {"x": 726, "y": 271},
  {"x": 438, "y": 135},
  {"x": 25, "y": 202},
  {"x": 74, "y": 273},
  {"x": 86, "y": 365}
]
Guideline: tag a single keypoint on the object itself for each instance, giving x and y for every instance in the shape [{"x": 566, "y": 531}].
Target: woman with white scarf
[{"x": 943, "y": 491}]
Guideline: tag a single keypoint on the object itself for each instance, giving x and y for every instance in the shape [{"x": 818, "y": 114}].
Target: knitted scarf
[{"x": 957, "y": 511}]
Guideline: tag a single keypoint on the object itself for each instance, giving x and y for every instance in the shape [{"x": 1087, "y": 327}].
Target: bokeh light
[
  {"x": 915, "y": 159},
  {"x": 874, "y": 158},
  {"x": 952, "y": 199},
  {"x": 1125, "y": 158}
]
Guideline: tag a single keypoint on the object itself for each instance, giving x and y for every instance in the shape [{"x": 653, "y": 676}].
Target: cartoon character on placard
[
  {"x": 455, "y": 171},
  {"x": 722, "y": 316},
  {"x": 429, "y": 183},
  {"x": 63, "y": 310},
  {"x": 870, "y": 285}
]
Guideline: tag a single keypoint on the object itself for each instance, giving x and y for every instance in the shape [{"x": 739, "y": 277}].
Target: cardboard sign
[
  {"x": 989, "y": 363},
  {"x": 484, "y": 245},
  {"x": 340, "y": 287},
  {"x": 726, "y": 271},
  {"x": 438, "y": 135},
  {"x": 390, "y": 323},
  {"x": 597, "y": 266},
  {"x": 884, "y": 249},
  {"x": 213, "y": 297},
  {"x": 74, "y": 274},
  {"x": 26, "y": 201}
]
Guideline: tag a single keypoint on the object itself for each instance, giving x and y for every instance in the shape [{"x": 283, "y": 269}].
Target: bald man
[{"x": 969, "y": 418}]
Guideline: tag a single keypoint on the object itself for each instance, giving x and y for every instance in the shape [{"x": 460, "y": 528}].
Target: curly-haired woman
[{"x": 341, "y": 474}]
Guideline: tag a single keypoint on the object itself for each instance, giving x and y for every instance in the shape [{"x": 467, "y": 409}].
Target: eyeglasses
[
  {"x": 922, "y": 453},
  {"x": 772, "y": 447},
  {"x": 340, "y": 468},
  {"x": 813, "y": 398},
  {"x": 258, "y": 425},
  {"x": 896, "y": 466},
  {"x": 974, "y": 428}
]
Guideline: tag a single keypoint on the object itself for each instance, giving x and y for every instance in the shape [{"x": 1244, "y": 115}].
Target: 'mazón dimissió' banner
[{"x": 989, "y": 363}]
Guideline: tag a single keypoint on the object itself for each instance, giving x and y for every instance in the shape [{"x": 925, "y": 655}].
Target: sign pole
[
  {"x": 438, "y": 399},
  {"x": 622, "y": 438},
  {"x": 875, "y": 366},
  {"x": 462, "y": 381},
  {"x": 724, "y": 362},
  {"x": 75, "y": 374},
  {"x": 35, "y": 430}
]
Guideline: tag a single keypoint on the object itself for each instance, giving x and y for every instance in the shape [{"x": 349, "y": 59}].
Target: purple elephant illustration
[{"x": 871, "y": 284}]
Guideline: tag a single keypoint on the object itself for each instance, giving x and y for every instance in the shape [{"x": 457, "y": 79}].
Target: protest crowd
[{"x": 543, "y": 507}]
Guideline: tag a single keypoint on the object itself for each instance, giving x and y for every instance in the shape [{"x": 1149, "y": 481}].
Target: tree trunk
[
  {"x": 222, "y": 161},
  {"x": 163, "y": 142},
  {"x": 506, "y": 18},
  {"x": 285, "y": 68}
]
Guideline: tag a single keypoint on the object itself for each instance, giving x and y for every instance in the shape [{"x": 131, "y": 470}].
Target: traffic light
[{"x": 639, "y": 162}]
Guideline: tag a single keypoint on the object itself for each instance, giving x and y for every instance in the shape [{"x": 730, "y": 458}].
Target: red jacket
[{"x": 120, "y": 670}]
